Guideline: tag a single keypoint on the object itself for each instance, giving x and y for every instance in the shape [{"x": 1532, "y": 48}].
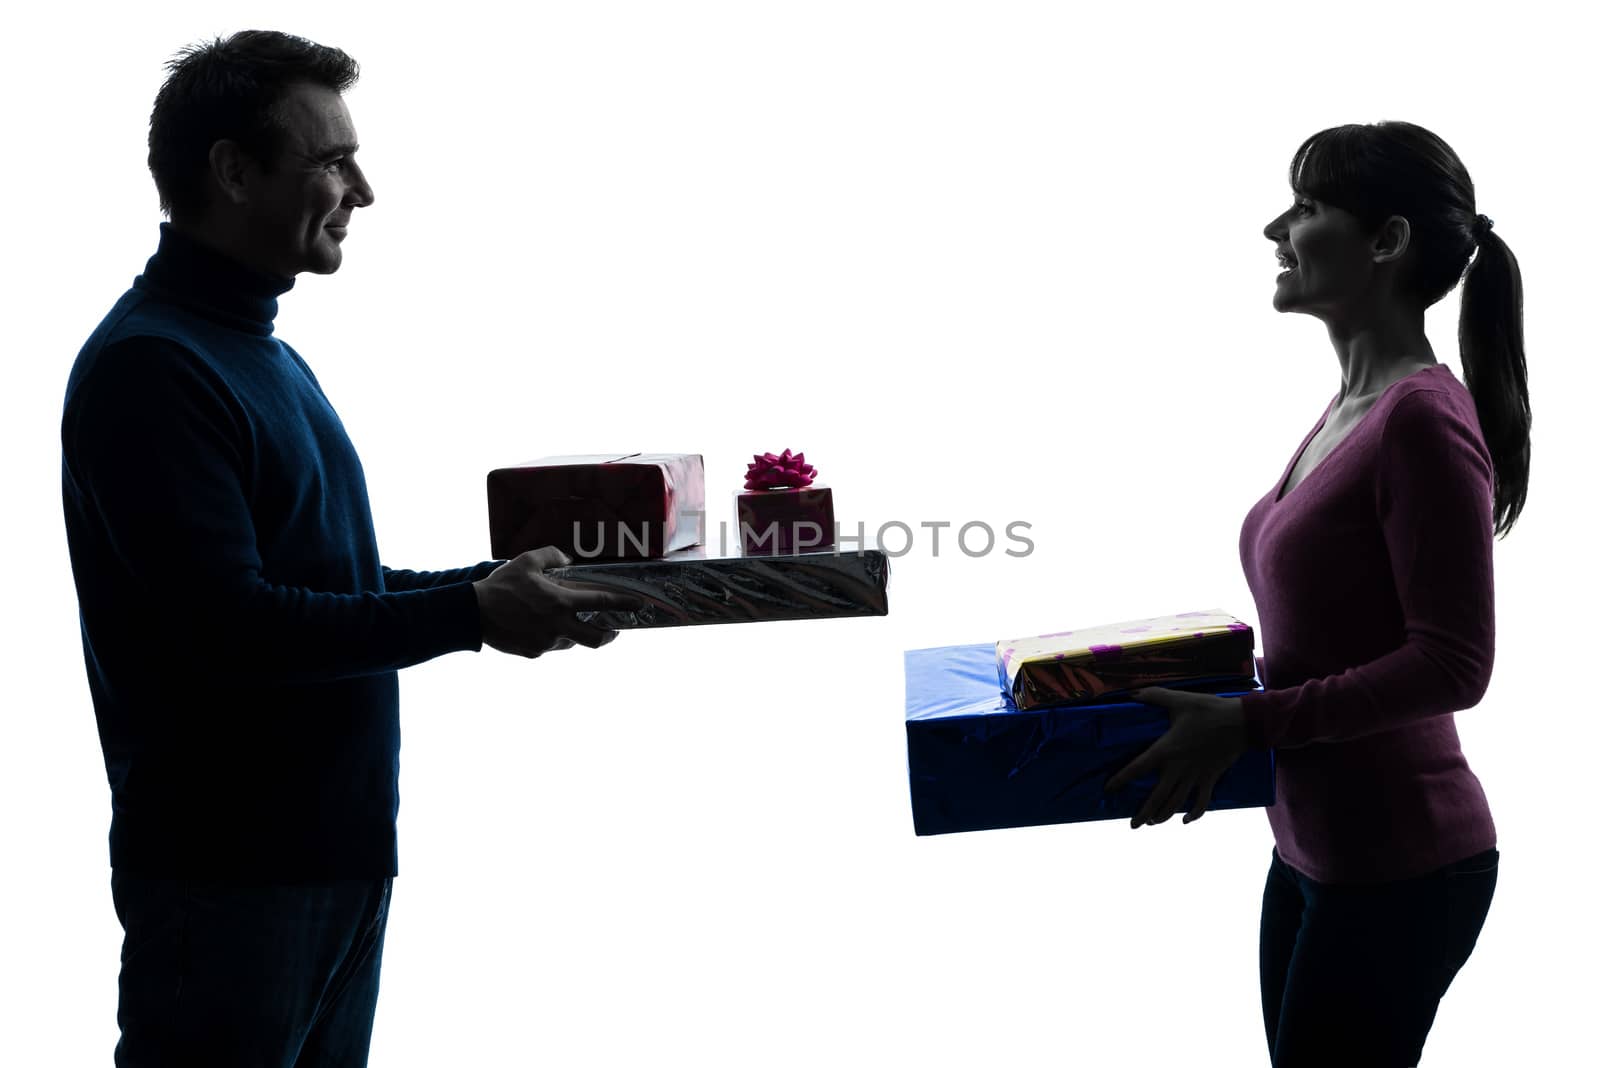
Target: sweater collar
[{"x": 212, "y": 285}]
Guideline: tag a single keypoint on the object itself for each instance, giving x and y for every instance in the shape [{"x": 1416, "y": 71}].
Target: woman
[{"x": 1371, "y": 566}]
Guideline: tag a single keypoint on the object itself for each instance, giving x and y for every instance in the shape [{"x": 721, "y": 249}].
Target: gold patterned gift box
[{"x": 1094, "y": 664}]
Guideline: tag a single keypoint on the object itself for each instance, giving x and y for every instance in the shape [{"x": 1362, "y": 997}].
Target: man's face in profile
[{"x": 299, "y": 208}]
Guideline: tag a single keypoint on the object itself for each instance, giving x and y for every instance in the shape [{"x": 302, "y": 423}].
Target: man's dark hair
[
  {"x": 230, "y": 90},
  {"x": 1376, "y": 170}
]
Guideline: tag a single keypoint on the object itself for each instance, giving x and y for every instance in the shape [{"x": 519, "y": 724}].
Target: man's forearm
[{"x": 397, "y": 580}]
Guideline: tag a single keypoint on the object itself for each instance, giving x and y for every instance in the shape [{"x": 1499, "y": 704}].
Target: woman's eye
[{"x": 1301, "y": 207}]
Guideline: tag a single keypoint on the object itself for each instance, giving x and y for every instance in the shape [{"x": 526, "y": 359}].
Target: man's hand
[
  {"x": 1206, "y": 737},
  {"x": 525, "y": 613}
]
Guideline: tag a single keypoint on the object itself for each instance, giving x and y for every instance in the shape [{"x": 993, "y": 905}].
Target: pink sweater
[{"x": 1374, "y": 586}]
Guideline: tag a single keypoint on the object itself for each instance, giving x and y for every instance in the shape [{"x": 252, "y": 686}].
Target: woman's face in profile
[{"x": 1327, "y": 260}]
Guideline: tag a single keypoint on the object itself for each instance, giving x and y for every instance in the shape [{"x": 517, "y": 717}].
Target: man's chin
[{"x": 325, "y": 264}]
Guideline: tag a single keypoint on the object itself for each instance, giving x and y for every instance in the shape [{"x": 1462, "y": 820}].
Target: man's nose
[{"x": 362, "y": 188}]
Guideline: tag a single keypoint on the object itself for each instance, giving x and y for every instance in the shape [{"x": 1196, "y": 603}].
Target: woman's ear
[{"x": 1392, "y": 239}]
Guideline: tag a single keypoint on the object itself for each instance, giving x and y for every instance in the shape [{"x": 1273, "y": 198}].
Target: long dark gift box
[
  {"x": 977, "y": 762},
  {"x": 692, "y": 587},
  {"x": 639, "y": 505}
]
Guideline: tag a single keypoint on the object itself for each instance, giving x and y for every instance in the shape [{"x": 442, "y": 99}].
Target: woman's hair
[
  {"x": 230, "y": 90},
  {"x": 1378, "y": 170}
]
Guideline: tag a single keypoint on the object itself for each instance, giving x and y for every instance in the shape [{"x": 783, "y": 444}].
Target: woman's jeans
[
  {"x": 248, "y": 976},
  {"x": 1353, "y": 974}
]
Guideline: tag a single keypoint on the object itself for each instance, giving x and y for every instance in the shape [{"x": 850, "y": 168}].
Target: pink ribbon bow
[{"x": 789, "y": 471}]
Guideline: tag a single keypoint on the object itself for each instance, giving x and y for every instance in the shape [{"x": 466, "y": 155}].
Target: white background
[{"x": 981, "y": 262}]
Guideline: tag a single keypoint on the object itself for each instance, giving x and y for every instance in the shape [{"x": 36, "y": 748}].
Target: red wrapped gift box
[
  {"x": 613, "y": 506},
  {"x": 785, "y": 521}
]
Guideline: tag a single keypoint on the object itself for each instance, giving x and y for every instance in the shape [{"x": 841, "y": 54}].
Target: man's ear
[
  {"x": 1394, "y": 237},
  {"x": 230, "y": 166}
]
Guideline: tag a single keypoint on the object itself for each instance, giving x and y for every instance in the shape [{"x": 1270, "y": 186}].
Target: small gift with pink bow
[{"x": 783, "y": 509}]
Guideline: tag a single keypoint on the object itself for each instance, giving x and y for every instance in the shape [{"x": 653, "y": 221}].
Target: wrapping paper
[
  {"x": 769, "y": 520},
  {"x": 693, "y": 588},
  {"x": 608, "y": 506},
  {"x": 1098, "y": 664},
  {"x": 977, "y": 762}
]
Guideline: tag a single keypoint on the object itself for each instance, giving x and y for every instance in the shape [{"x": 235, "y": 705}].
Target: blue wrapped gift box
[{"x": 979, "y": 763}]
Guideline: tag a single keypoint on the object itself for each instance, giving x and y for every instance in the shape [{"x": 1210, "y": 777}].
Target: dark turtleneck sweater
[{"x": 241, "y": 636}]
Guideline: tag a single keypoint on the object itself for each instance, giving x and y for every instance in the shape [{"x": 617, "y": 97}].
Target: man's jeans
[
  {"x": 1353, "y": 975},
  {"x": 231, "y": 976}
]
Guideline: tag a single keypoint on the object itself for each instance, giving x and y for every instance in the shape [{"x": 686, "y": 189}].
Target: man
[{"x": 241, "y": 636}]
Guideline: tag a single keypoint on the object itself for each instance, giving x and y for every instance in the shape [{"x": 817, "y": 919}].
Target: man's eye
[{"x": 1302, "y": 206}]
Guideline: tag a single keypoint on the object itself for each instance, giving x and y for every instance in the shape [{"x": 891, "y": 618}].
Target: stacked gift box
[
  {"x": 612, "y": 506},
  {"x": 635, "y": 523},
  {"x": 1026, "y": 732}
]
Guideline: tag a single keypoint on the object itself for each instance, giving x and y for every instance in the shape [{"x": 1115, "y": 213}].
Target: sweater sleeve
[
  {"x": 397, "y": 579},
  {"x": 1433, "y": 494},
  {"x": 155, "y": 448}
]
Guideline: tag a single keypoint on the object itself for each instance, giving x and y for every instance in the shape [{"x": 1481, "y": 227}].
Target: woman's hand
[{"x": 1206, "y": 737}]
